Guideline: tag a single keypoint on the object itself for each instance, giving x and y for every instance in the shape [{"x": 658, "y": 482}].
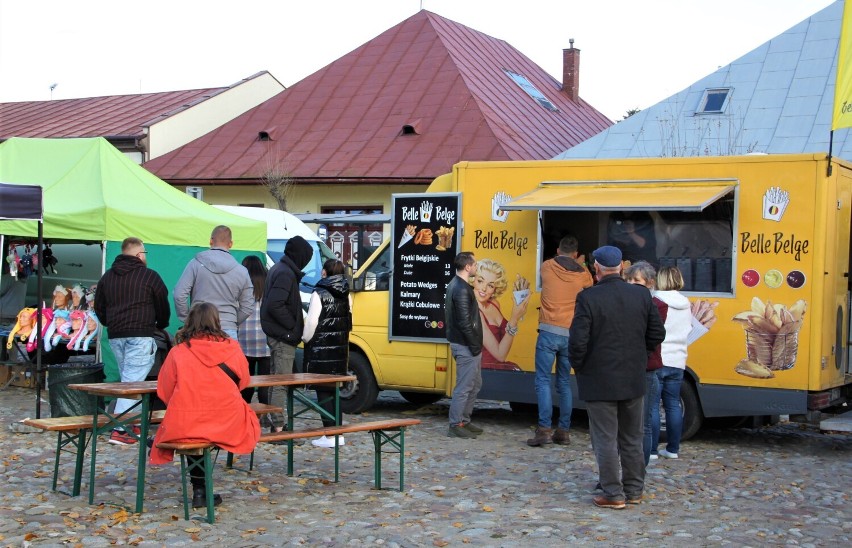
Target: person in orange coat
[{"x": 203, "y": 401}]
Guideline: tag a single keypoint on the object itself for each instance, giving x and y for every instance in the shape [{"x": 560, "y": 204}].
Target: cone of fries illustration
[
  {"x": 772, "y": 337},
  {"x": 407, "y": 235}
]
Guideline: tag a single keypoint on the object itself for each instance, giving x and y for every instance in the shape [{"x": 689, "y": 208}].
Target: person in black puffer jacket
[{"x": 326, "y": 334}]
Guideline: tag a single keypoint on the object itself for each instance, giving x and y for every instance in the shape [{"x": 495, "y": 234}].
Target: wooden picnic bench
[
  {"x": 385, "y": 432},
  {"x": 76, "y": 431}
]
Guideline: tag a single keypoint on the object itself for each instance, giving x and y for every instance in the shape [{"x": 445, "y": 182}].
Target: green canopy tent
[{"x": 94, "y": 193}]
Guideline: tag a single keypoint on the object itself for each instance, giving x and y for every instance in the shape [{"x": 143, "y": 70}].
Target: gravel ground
[{"x": 784, "y": 484}]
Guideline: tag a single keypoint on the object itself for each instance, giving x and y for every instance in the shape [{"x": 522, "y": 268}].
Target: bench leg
[
  {"x": 186, "y": 469},
  {"x": 396, "y": 439},
  {"x": 80, "y": 444},
  {"x": 183, "y": 474},
  {"x": 208, "y": 486}
]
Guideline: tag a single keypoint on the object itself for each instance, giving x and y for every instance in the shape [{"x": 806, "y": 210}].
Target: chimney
[{"x": 571, "y": 71}]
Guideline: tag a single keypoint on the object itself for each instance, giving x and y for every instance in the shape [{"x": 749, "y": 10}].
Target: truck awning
[{"x": 681, "y": 195}]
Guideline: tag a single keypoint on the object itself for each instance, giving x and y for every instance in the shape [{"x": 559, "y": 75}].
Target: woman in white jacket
[{"x": 678, "y": 324}]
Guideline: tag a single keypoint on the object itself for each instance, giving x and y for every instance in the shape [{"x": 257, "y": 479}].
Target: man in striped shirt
[{"x": 131, "y": 301}]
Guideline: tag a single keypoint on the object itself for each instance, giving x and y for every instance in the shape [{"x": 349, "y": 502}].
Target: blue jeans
[
  {"x": 135, "y": 357},
  {"x": 231, "y": 333},
  {"x": 652, "y": 414},
  {"x": 670, "y": 381},
  {"x": 550, "y": 346}
]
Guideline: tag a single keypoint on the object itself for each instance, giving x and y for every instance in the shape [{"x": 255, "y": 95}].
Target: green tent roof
[{"x": 94, "y": 192}]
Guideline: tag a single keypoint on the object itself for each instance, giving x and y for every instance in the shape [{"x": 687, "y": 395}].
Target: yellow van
[{"x": 763, "y": 242}]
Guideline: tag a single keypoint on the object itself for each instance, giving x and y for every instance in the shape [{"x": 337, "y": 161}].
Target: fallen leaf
[
  {"x": 192, "y": 530},
  {"x": 487, "y": 509}
]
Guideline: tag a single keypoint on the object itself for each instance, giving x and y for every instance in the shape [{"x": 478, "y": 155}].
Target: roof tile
[{"x": 345, "y": 120}]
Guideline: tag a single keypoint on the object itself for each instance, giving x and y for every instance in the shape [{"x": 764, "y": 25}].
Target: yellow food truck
[{"x": 762, "y": 240}]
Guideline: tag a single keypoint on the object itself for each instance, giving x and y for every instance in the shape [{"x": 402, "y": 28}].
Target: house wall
[
  {"x": 191, "y": 123},
  {"x": 308, "y": 198}
]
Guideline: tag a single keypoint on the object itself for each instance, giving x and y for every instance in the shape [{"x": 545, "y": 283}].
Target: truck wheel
[
  {"x": 692, "y": 415},
  {"x": 359, "y": 395},
  {"x": 421, "y": 398}
]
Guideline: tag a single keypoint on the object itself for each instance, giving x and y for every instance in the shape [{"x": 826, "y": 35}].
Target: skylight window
[
  {"x": 531, "y": 90},
  {"x": 714, "y": 101}
]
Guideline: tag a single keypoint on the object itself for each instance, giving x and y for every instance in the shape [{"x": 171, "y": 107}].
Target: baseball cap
[{"x": 608, "y": 256}]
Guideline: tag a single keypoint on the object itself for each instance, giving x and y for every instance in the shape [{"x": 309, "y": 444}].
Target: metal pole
[{"x": 39, "y": 306}]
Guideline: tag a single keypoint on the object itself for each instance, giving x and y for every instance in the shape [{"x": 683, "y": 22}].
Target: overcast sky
[{"x": 634, "y": 52}]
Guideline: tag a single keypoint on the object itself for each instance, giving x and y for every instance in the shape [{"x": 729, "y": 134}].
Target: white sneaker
[
  {"x": 322, "y": 442},
  {"x": 654, "y": 457},
  {"x": 665, "y": 454},
  {"x": 328, "y": 442}
]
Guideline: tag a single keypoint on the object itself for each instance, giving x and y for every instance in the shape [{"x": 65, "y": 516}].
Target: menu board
[{"x": 425, "y": 231}]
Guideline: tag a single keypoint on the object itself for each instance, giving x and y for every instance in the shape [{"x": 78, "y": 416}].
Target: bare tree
[
  {"x": 631, "y": 112},
  {"x": 278, "y": 180}
]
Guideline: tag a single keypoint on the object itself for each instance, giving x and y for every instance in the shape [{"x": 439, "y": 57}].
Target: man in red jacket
[{"x": 132, "y": 301}]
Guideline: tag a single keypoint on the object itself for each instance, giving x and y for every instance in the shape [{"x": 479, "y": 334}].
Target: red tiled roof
[
  {"x": 108, "y": 116},
  {"x": 345, "y": 121}
]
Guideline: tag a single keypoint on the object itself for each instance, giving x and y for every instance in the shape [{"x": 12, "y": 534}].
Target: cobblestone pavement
[{"x": 785, "y": 484}]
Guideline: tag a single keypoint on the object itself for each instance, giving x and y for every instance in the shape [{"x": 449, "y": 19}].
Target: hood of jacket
[
  {"x": 126, "y": 263},
  {"x": 674, "y": 299},
  {"x": 211, "y": 352},
  {"x": 299, "y": 251},
  {"x": 217, "y": 260},
  {"x": 568, "y": 267},
  {"x": 337, "y": 285}
]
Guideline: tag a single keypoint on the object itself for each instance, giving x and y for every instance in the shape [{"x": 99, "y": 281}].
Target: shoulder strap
[{"x": 228, "y": 371}]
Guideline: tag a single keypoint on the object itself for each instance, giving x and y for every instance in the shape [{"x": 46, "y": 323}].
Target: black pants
[
  {"x": 326, "y": 401},
  {"x": 196, "y": 475},
  {"x": 258, "y": 366}
]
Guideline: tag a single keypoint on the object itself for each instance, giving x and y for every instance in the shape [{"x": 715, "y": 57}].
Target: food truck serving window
[{"x": 687, "y": 223}]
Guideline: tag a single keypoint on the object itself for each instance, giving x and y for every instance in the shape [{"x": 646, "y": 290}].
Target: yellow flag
[{"x": 842, "y": 114}]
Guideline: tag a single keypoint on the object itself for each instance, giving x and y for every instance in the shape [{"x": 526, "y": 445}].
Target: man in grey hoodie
[{"x": 214, "y": 276}]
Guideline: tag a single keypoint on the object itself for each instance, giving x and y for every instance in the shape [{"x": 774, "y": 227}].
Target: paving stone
[{"x": 782, "y": 484}]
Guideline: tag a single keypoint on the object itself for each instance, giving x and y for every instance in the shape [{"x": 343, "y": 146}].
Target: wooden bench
[
  {"x": 76, "y": 432},
  {"x": 389, "y": 432},
  {"x": 384, "y": 432}
]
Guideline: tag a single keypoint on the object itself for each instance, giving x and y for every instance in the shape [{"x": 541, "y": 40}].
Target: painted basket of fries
[
  {"x": 776, "y": 351},
  {"x": 772, "y": 333}
]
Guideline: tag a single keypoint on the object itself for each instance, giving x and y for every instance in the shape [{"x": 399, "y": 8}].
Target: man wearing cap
[{"x": 615, "y": 327}]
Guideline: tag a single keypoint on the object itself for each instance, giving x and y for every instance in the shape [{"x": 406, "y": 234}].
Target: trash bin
[{"x": 65, "y": 402}]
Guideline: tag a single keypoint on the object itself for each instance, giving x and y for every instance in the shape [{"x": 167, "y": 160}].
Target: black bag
[{"x": 164, "y": 343}]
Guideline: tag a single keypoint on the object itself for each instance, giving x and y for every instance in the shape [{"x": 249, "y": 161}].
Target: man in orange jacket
[{"x": 562, "y": 278}]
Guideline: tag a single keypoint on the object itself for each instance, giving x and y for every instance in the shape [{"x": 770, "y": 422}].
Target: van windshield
[{"x": 313, "y": 269}]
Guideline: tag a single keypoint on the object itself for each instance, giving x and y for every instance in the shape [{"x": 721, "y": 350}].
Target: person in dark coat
[
  {"x": 615, "y": 326},
  {"x": 281, "y": 315},
  {"x": 326, "y": 335},
  {"x": 132, "y": 302}
]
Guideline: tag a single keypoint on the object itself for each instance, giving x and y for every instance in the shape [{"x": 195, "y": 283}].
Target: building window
[
  {"x": 353, "y": 242},
  {"x": 714, "y": 101},
  {"x": 531, "y": 90}
]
